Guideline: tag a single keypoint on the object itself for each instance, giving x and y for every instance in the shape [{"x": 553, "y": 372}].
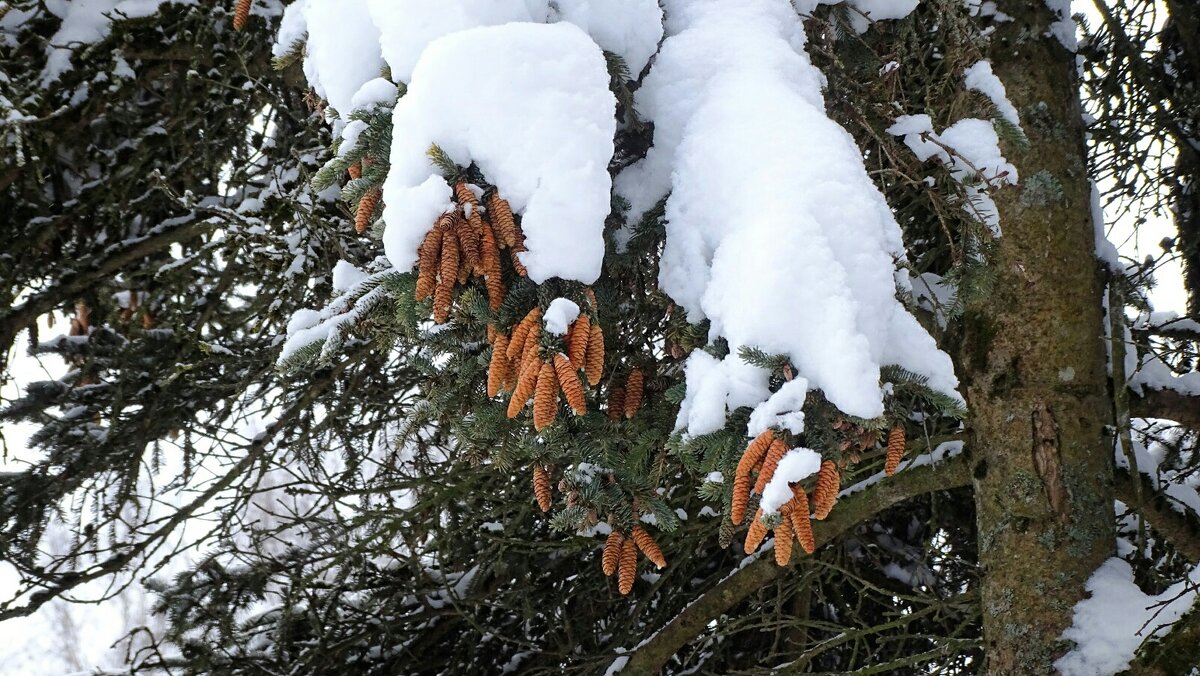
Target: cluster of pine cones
[
  {"x": 462, "y": 244},
  {"x": 620, "y": 556}
]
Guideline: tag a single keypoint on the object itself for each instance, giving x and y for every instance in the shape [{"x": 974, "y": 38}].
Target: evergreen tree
[{"x": 507, "y": 346}]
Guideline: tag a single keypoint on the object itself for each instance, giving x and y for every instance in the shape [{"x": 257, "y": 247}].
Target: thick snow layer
[
  {"x": 797, "y": 465},
  {"x": 293, "y": 27},
  {"x": 969, "y": 148},
  {"x": 1118, "y": 617},
  {"x": 785, "y": 244},
  {"x": 980, "y": 78},
  {"x": 629, "y": 28},
  {"x": 346, "y": 275},
  {"x": 559, "y": 315},
  {"x": 342, "y": 52},
  {"x": 1154, "y": 374},
  {"x": 530, "y": 105},
  {"x": 374, "y": 92}
]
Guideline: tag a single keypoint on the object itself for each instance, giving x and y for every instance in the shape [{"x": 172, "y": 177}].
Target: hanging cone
[
  {"x": 545, "y": 398},
  {"x": 526, "y": 382},
  {"x": 447, "y": 273},
  {"x": 895, "y": 450},
  {"x": 756, "y": 534},
  {"x": 241, "y": 12},
  {"x": 498, "y": 367},
  {"x": 633, "y": 392},
  {"x": 366, "y": 209},
  {"x": 627, "y": 569},
  {"x": 755, "y": 452},
  {"x": 616, "y": 403},
  {"x": 568, "y": 380},
  {"x": 501, "y": 216},
  {"x": 648, "y": 546},
  {"x": 594, "y": 368},
  {"x": 825, "y": 493},
  {"x": 770, "y": 463},
  {"x": 427, "y": 263},
  {"x": 541, "y": 488},
  {"x": 741, "y": 499},
  {"x": 577, "y": 341},
  {"x": 801, "y": 523},
  {"x": 612, "y": 553},
  {"x": 783, "y": 542},
  {"x": 517, "y": 346},
  {"x": 490, "y": 263}
]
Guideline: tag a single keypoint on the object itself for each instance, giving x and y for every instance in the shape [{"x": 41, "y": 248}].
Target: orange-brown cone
[
  {"x": 648, "y": 546},
  {"x": 616, "y": 403},
  {"x": 594, "y": 368},
  {"x": 427, "y": 263},
  {"x": 633, "y": 392},
  {"x": 741, "y": 499},
  {"x": 770, "y": 463},
  {"x": 490, "y": 263},
  {"x": 755, "y": 452},
  {"x": 829, "y": 482},
  {"x": 526, "y": 383},
  {"x": 783, "y": 542},
  {"x": 568, "y": 380},
  {"x": 577, "y": 341},
  {"x": 541, "y": 487},
  {"x": 517, "y": 347},
  {"x": 241, "y": 12},
  {"x": 447, "y": 274},
  {"x": 627, "y": 569},
  {"x": 355, "y": 170},
  {"x": 612, "y": 553},
  {"x": 757, "y": 532},
  {"x": 801, "y": 523},
  {"x": 895, "y": 450},
  {"x": 498, "y": 368},
  {"x": 366, "y": 209},
  {"x": 545, "y": 398},
  {"x": 501, "y": 216}
]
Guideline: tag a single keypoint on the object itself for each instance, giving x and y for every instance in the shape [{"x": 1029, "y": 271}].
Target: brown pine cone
[
  {"x": 770, "y": 463},
  {"x": 648, "y": 546},
  {"x": 741, "y": 498},
  {"x": 612, "y": 553},
  {"x": 616, "y": 403},
  {"x": 594, "y": 368},
  {"x": 627, "y": 568},
  {"x": 783, "y": 542},
  {"x": 427, "y": 263},
  {"x": 633, "y": 392},
  {"x": 501, "y": 216},
  {"x": 545, "y": 398},
  {"x": 568, "y": 380},
  {"x": 541, "y": 488},
  {"x": 895, "y": 450},
  {"x": 829, "y": 482},
  {"x": 366, "y": 209},
  {"x": 498, "y": 367},
  {"x": 526, "y": 383},
  {"x": 241, "y": 12},
  {"x": 577, "y": 341},
  {"x": 757, "y": 532},
  {"x": 801, "y": 523}
]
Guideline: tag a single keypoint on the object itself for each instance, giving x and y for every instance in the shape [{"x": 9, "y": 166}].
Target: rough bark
[{"x": 1034, "y": 369}]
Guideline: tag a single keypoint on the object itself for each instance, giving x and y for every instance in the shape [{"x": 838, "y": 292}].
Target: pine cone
[
  {"x": 770, "y": 463},
  {"x": 366, "y": 209},
  {"x": 541, "y": 488},
  {"x": 648, "y": 546},
  {"x": 516, "y": 347},
  {"x": 612, "y": 553},
  {"x": 741, "y": 498},
  {"x": 355, "y": 170},
  {"x": 627, "y": 568},
  {"x": 616, "y": 403},
  {"x": 545, "y": 398},
  {"x": 470, "y": 228},
  {"x": 801, "y": 523},
  {"x": 633, "y": 392},
  {"x": 757, "y": 532},
  {"x": 516, "y": 262},
  {"x": 526, "y": 383},
  {"x": 783, "y": 542},
  {"x": 895, "y": 450},
  {"x": 533, "y": 341},
  {"x": 501, "y": 216},
  {"x": 447, "y": 270},
  {"x": 577, "y": 341},
  {"x": 591, "y": 297},
  {"x": 498, "y": 368},
  {"x": 427, "y": 262},
  {"x": 241, "y": 12},
  {"x": 594, "y": 368},
  {"x": 755, "y": 452},
  {"x": 829, "y": 482},
  {"x": 490, "y": 265},
  {"x": 568, "y": 380}
]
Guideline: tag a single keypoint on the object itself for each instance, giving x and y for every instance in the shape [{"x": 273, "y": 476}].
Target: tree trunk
[{"x": 1033, "y": 361}]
